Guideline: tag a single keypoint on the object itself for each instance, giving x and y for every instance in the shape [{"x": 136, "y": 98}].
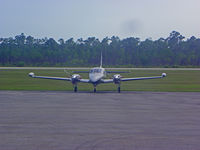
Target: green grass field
[{"x": 176, "y": 81}]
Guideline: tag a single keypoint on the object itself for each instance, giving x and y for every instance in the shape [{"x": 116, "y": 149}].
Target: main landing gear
[
  {"x": 75, "y": 89},
  {"x": 119, "y": 89}
]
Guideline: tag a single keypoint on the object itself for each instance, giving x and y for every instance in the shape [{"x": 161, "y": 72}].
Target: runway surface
[{"x": 101, "y": 121}]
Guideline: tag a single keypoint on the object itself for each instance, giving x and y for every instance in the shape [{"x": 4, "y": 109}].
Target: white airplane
[{"x": 96, "y": 76}]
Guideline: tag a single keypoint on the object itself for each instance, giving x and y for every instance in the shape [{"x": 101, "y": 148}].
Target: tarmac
[{"x": 35, "y": 120}]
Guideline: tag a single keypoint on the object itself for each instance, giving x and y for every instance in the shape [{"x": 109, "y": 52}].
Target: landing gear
[
  {"x": 95, "y": 90},
  {"x": 119, "y": 90},
  {"x": 75, "y": 89}
]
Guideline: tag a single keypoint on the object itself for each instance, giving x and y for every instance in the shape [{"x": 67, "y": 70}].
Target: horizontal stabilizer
[
  {"x": 117, "y": 72},
  {"x": 80, "y": 72}
]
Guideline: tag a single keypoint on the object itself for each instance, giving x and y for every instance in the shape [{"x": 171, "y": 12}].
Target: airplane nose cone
[{"x": 94, "y": 78}]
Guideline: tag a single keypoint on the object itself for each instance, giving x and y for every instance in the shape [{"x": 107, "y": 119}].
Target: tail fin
[{"x": 101, "y": 60}]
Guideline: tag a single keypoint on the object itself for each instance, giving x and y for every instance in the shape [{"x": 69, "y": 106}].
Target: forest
[{"x": 173, "y": 51}]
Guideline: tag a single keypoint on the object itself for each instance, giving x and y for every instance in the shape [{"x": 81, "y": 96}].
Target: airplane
[{"x": 97, "y": 76}]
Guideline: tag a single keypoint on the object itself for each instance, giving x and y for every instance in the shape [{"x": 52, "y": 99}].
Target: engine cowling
[
  {"x": 164, "y": 75},
  {"x": 75, "y": 78},
  {"x": 117, "y": 78}
]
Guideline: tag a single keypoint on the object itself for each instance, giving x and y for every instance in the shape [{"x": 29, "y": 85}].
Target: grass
[{"x": 176, "y": 81}]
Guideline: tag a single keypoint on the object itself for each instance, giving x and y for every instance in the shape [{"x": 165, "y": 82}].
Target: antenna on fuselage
[{"x": 101, "y": 60}]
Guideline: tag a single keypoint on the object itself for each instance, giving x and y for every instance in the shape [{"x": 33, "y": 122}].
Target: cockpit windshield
[{"x": 96, "y": 71}]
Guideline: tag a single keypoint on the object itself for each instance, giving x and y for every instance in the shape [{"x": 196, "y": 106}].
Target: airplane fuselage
[{"x": 96, "y": 74}]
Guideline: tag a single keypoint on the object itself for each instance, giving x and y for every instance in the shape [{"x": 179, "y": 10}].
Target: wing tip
[{"x": 31, "y": 74}]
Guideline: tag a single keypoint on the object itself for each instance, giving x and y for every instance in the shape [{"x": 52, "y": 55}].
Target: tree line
[{"x": 174, "y": 51}]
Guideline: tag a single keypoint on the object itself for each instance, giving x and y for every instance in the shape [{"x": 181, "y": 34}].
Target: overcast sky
[{"x": 99, "y": 18}]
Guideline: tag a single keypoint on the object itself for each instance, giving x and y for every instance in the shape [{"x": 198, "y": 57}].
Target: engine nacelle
[
  {"x": 117, "y": 78},
  {"x": 164, "y": 75},
  {"x": 75, "y": 78}
]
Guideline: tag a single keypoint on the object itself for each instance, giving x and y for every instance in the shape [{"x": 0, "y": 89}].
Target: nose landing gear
[{"x": 95, "y": 90}]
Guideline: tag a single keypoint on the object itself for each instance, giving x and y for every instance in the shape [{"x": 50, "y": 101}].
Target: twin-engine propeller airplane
[{"x": 96, "y": 76}]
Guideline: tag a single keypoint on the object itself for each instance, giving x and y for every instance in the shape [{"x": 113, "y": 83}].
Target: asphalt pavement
[{"x": 34, "y": 120}]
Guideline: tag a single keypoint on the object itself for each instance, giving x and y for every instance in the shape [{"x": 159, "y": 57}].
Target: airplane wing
[
  {"x": 47, "y": 77},
  {"x": 107, "y": 80},
  {"x": 141, "y": 78},
  {"x": 57, "y": 78},
  {"x": 131, "y": 79},
  {"x": 84, "y": 80}
]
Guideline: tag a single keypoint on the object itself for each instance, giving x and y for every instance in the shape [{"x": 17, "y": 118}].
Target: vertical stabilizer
[{"x": 101, "y": 60}]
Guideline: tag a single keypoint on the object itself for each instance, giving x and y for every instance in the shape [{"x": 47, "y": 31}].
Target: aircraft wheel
[{"x": 95, "y": 90}]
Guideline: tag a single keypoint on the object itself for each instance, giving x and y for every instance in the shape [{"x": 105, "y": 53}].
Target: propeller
[{"x": 67, "y": 72}]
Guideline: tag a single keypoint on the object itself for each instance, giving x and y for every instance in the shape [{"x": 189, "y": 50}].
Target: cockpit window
[{"x": 96, "y": 71}]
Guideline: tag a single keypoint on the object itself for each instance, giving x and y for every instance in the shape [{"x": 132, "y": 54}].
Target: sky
[{"x": 99, "y": 18}]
